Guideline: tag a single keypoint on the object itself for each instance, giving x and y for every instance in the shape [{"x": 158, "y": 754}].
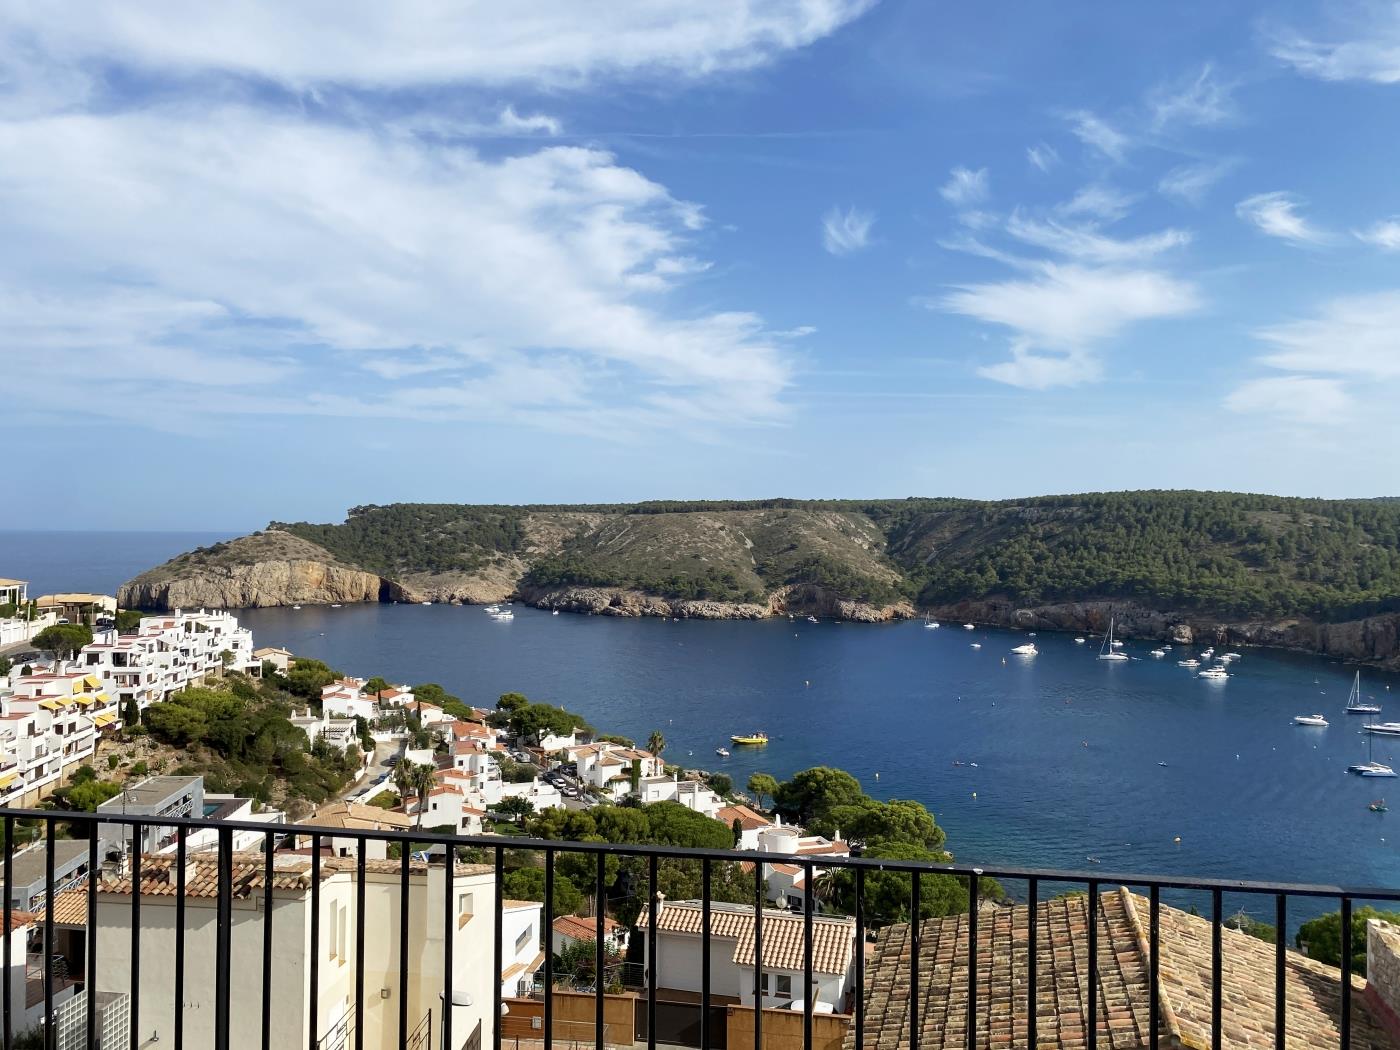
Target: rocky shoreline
[{"x": 1372, "y": 640}]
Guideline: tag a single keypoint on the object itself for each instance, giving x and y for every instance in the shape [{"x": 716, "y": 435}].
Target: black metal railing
[{"x": 238, "y": 998}]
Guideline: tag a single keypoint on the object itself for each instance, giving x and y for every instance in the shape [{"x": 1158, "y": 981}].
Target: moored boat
[
  {"x": 752, "y": 740},
  {"x": 1028, "y": 649},
  {"x": 1309, "y": 720},
  {"x": 1109, "y": 649}
]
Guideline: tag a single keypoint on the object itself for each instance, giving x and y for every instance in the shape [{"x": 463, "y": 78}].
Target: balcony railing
[{"x": 554, "y": 1015}]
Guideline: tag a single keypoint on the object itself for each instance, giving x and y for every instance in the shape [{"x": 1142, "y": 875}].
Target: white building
[
  {"x": 472, "y": 931},
  {"x": 521, "y": 954},
  {"x": 678, "y": 954},
  {"x": 608, "y": 767},
  {"x": 49, "y": 724},
  {"x": 573, "y": 929},
  {"x": 346, "y": 698},
  {"x": 786, "y": 881}
]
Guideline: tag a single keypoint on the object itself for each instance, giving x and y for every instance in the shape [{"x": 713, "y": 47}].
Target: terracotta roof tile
[
  {"x": 833, "y": 938},
  {"x": 584, "y": 929}
]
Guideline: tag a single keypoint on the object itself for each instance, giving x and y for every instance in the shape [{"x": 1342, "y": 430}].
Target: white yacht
[
  {"x": 1213, "y": 672},
  {"x": 1228, "y": 657},
  {"x": 1206, "y": 654},
  {"x": 1383, "y": 728},
  {"x": 976, "y": 645},
  {"x": 813, "y": 619},
  {"x": 930, "y": 625},
  {"x": 969, "y": 627},
  {"x": 1159, "y": 653},
  {"x": 1109, "y": 649},
  {"x": 1355, "y": 705},
  {"x": 1371, "y": 768},
  {"x": 1028, "y": 649},
  {"x": 1188, "y": 663},
  {"x": 723, "y": 752},
  {"x": 503, "y": 616},
  {"x": 1079, "y": 641},
  {"x": 1309, "y": 720}
]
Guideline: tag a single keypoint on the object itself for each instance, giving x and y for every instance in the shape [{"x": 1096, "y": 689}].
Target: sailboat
[
  {"x": 1109, "y": 650},
  {"x": 1371, "y": 768},
  {"x": 1355, "y": 706}
]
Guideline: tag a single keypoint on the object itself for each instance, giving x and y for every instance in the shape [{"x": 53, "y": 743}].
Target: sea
[{"x": 1054, "y": 761}]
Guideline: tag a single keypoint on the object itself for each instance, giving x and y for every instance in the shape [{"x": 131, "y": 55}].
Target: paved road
[{"x": 384, "y": 756}]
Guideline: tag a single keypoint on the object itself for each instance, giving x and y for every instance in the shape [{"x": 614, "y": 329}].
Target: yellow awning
[
  {"x": 51, "y": 705},
  {"x": 93, "y": 681},
  {"x": 90, "y": 699},
  {"x": 103, "y": 721},
  {"x": 7, "y": 779}
]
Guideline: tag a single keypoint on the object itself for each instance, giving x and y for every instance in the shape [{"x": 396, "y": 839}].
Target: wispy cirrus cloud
[
  {"x": 1198, "y": 99},
  {"x": 1098, "y": 134},
  {"x": 1364, "y": 46},
  {"x": 1384, "y": 235},
  {"x": 1295, "y": 399},
  {"x": 1089, "y": 244},
  {"x": 846, "y": 231},
  {"x": 1191, "y": 182},
  {"x": 1098, "y": 201},
  {"x": 1042, "y": 156},
  {"x": 966, "y": 187},
  {"x": 1276, "y": 215}
]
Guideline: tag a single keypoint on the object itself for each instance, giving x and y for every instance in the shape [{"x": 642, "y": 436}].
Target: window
[
  {"x": 338, "y": 945},
  {"x": 464, "y": 909},
  {"x": 526, "y": 936},
  {"x": 781, "y": 986}
]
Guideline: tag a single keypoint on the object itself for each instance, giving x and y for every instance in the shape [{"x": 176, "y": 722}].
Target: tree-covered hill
[{"x": 1227, "y": 555}]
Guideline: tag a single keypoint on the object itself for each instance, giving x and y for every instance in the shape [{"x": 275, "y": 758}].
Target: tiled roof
[
  {"x": 1124, "y": 1021},
  {"x": 748, "y": 819},
  {"x": 70, "y": 908},
  {"x": 832, "y": 937},
  {"x": 357, "y": 815},
  {"x": 581, "y": 929}
]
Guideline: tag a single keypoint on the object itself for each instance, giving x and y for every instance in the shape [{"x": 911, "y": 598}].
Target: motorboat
[
  {"x": 554, "y": 612},
  {"x": 1079, "y": 641},
  {"x": 1159, "y": 653},
  {"x": 930, "y": 625},
  {"x": 425, "y": 603},
  {"x": 296, "y": 606},
  {"x": 723, "y": 752},
  {"x": 1188, "y": 663},
  {"x": 1206, "y": 654},
  {"x": 1312, "y": 720},
  {"x": 503, "y": 616},
  {"x": 1109, "y": 649},
  {"x": 1214, "y": 672},
  {"x": 1383, "y": 728},
  {"x": 1229, "y": 657},
  {"x": 1355, "y": 705},
  {"x": 1028, "y": 649},
  {"x": 976, "y": 645},
  {"x": 752, "y": 740},
  {"x": 813, "y": 619},
  {"x": 969, "y": 627},
  {"x": 1378, "y": 806}
]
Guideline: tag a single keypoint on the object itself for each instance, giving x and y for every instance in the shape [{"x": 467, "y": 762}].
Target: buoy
[
  {"x": 974, "y": 794},
  {"x": 1177, "y": 840}
]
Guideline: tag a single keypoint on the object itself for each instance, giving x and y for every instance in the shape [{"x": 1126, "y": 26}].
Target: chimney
[
  {"x": 1382, "y": 992},
  {"x": 660, "y": 907}
]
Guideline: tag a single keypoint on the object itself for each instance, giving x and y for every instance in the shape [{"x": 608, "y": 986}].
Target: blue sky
[{"x": 270, "y": 262}]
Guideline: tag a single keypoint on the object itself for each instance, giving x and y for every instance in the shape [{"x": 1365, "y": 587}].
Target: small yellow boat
[{"x": 753, "y": 739}]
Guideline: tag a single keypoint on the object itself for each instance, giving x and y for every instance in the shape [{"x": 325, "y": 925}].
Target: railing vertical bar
[
  {"x": 449, "y": 937},
  {"x": 497, "y": 951},
  {"x": 1091, "y": 1028},
  {"x": 269, "y": 876},
  {"x": 223, "y": 942},
  {"x": 360, "y": 944},
  {"x": 600, "y": 908},
  {"x": 1154, "y": 963},
  {"x": 1215, "y": 969},
  {"x": 134, "y": 979},
  {"x": 405, "y": 858},
  {"x": 313, "y": 1021},
  {"x": 915, "y": 938},
  {"x": 548, "y": 949},
  {"x": 180, "y": 850},
  {"x": 860, "y": 958},
  {"x": 704, "y": 953},
  {"x": 809, "y": 987},
  {"x": 90, "y": 980},
  {"x": 651, "y": 952},
  {"x": 1345, "y": 1026},
  {"x": 972, "y": 962},
  {"x": 1280, "y": 970},
  {"x": 758, "y": 903},
  {"x": 47, "y": 957},
  {"x": 1032, "y": 935},
  {"x": 8, "y": 1005}
]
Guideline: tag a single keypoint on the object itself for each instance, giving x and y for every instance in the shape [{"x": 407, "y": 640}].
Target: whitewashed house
[
  {"x": 345, "y": 698},
  {"x": 732, "y": 958},
  {"x": 573, "y": 929},
  {"x": 521, "y": 954}
]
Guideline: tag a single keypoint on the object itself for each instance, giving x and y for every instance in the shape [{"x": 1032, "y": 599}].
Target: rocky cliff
[{"x": 267, "y": 568}]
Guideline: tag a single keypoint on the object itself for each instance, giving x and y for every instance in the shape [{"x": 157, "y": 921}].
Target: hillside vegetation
[{"x": 1223, "y": 554}]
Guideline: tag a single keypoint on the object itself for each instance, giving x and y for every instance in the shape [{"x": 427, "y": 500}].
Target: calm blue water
[{"x": 1067, "y": 748}]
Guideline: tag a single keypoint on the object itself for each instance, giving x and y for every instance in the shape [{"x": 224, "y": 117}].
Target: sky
[{"x": 269, "y": 261}]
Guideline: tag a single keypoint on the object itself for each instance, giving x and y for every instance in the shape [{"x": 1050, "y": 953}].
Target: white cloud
[
  {"x": 1384, "y": 235},
  {"x": 965, "y": 187},
  {"x": 1276, "y": 214},
  {"x": 1098, "y": 134},
  {"x": 1298, "y": 399},
  {"x": 1349, "y": 349},
  {"x": 1102, "y": 202},
  {"x": 1191, "y": 182},
  {"x": 1199, "y": 100},
  {"x": 1042, "y": 156},
  {"x": 847, "y": 231},
  {"x": 531, "y": 123},
  {"x": 1370, "y": 50},
  {"x": 1086, "y": 243},
  {"x": 559, "y": 42},
  {"x": 1057, "y": 315}
]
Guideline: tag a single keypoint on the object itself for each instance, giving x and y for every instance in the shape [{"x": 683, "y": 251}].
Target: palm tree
[
  {"x": 424, "y": 780},
  {"x": 656, "y": 743},
  {"x": 403, "y": 778}
]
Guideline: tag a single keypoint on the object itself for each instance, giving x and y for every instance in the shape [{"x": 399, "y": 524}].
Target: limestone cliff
[{"x": 266, "y": 568}]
